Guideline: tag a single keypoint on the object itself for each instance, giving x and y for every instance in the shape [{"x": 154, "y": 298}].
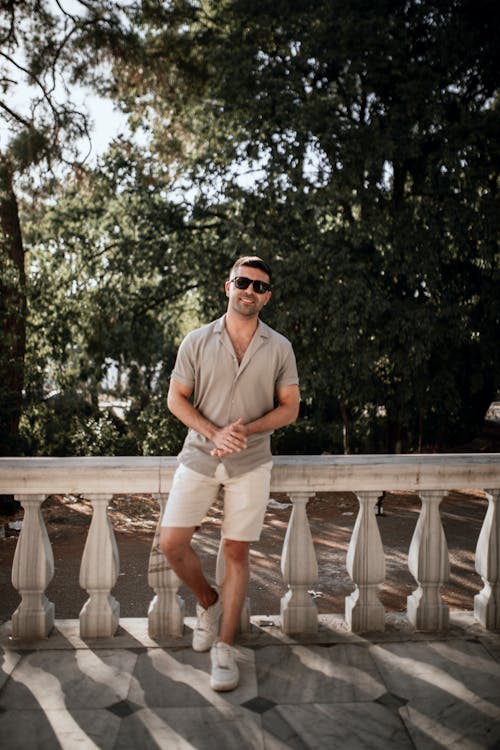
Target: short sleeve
[
  {"x": 288, "y": 374},
  {"x": 184, "y": 368}
]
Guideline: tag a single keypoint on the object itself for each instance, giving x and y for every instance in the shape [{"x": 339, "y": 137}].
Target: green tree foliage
[
  {"x": 355, "y": 145},
  {"x": 110, "y": 272},
  {"x": 44, "y": 52}
]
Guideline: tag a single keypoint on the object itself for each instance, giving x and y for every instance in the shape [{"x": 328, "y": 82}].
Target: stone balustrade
[{"x": 31, "y": 480}]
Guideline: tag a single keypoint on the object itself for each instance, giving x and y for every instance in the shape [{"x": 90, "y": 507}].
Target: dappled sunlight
[
  {"x": 144, "y": 695},
  {"x": 48, "y": 691},
  {"x": 470, "y": 661},
  {"x": 162, "y": 733},
  {"x": 336, "y": 668},
  {"x": 432, "y": 728},
  {"x": 144, "y": 146},
  {"x": 179, "y": 670},
  {"x": 106, "y": 669},
  {"x": 435, "y": 677},
  {"x": 266, "y": 561}
]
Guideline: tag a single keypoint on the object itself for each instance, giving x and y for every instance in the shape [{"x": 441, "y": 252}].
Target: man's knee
[
  {"x": 235, "y": 551},
  {"x": 175, "y": 543}
]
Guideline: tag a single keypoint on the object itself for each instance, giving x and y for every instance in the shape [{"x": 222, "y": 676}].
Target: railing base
[
  {"x": 265, "y": 630},
  {"x": 164, "y": 619},
  {"x": 100, "y": 622},
  {"x": 427, "y": 617},
  {"x": 34, "y": 623},
  {"x": 364, "y": 617},
  {"x": 298, "y": 617},
  {"x": 487, "y": 607}
]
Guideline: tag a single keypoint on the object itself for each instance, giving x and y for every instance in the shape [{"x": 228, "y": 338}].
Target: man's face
[{"x": 246, "y": 301}]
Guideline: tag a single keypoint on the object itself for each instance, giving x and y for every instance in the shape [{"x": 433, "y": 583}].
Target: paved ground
[{"x": 396, "y": 690}]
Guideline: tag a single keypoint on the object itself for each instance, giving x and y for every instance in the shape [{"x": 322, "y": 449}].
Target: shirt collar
[{"x": 262, "y": 328}]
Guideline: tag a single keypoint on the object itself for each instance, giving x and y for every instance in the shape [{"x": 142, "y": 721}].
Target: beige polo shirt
[{"x": 224, "y": 391}]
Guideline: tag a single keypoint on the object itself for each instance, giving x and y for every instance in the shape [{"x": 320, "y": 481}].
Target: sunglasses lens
[{"x": 242, "y": 282}]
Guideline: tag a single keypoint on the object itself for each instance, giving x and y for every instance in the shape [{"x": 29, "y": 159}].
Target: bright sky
[{"x": 107, "y": 121}]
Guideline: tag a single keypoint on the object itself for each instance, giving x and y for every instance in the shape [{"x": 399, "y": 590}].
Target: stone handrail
[{"x": 31, "y": 480}]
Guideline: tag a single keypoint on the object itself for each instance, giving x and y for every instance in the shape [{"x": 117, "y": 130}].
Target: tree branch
[
  {"x": 16, "y": 115},
  {"x": 65, "y": 12},
  {"x": 34, "y": 78},
  {"x": 11, "y": 30}
]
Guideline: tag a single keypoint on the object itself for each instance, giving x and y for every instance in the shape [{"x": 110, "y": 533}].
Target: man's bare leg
[
  {"x": 234, "y": 587},
  {"x": 175, "y": 543}
]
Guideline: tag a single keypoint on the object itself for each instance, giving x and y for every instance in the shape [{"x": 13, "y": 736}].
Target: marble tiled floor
[{"x": 398, "y": 690}]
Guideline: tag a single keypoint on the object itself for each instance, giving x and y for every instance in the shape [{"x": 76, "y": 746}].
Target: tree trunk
[
  {"x": 346, "y": 431},
  {"x": 12, "y": 315},
  {"x": 395, "y": 435}
]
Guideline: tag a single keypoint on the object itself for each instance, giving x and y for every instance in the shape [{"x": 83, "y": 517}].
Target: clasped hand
[{"x": 230, "y": 439}]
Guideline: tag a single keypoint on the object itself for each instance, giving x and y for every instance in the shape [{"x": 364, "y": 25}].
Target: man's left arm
[{"x": 285, "y": 413}]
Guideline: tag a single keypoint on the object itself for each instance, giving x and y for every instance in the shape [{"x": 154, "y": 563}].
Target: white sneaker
[
  {"x": 225, "y": 673},
  {"x": 207, "y": 625}
]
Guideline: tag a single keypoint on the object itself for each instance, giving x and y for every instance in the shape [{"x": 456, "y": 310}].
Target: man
[{"x": 242, "y": 377}]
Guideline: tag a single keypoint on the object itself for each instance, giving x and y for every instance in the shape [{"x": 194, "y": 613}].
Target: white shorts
[{"x": 245, "y": 500}]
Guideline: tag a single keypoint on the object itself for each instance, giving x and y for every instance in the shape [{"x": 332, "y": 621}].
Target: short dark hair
[{"x": 253, "y": 261}]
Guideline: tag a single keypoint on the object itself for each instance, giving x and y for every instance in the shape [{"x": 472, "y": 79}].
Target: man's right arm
[{"x": 230, "y": 439}]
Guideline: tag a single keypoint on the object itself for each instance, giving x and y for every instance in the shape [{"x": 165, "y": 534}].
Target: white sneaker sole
[
  {"x": 222, "y": 687},
  {"x": 204, "y": 648}
]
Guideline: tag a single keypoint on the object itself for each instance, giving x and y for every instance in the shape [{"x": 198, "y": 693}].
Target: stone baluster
[
  {"x": 366, "y": 565},
  {"x": 98, "y": 574},
  {"x": 487, "y": 602},
  {"x": 32, "y": 571},
  {"x": 429, "y": 564},
  {"x": 244, "y": 626},
  {"x": 299, "y": 567},
  {"x": 166, "y": 611}
]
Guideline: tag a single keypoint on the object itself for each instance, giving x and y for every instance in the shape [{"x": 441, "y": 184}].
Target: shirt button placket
[{"x": 231, "y": 416}]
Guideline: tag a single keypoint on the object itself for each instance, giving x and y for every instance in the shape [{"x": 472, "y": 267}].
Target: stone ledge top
[{"x": 153, "y": 474}]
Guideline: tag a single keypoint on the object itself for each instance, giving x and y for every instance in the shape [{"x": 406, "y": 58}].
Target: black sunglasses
[{"x": 242, "y": 282}]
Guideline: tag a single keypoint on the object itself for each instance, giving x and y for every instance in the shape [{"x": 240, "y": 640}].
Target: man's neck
[{"x": 241, "y": 326}]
